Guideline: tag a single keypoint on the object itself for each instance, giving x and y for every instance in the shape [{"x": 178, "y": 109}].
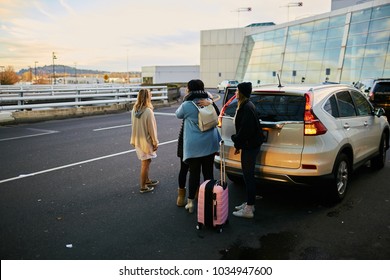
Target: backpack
[{"x": 207, "y": 117}]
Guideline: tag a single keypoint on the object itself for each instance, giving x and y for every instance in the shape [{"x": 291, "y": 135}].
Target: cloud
[
  {"x": 67, "y": 7},
  {"x": 42, "y": 10}
]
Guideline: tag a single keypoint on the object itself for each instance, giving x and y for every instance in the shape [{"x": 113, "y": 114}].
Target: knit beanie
[{"x": 245, "y": 88}]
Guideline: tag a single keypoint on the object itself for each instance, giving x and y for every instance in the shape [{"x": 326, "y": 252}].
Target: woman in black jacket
[{"x": 247, "y": 140}]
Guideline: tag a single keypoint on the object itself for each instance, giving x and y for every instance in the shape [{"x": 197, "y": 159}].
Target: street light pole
[
  {"x": 75, "y": 72},
  {"x": 54, "y": 69},
  {"x": 127, "y": 65},
  {"x": 35, "y": 70}
]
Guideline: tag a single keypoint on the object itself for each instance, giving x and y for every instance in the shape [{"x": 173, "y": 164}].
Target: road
[{"x": 69, "y": 191}]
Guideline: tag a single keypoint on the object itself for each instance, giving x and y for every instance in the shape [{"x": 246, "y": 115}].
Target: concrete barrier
[
  {"x": 27, "y": 116},
  {"x": 41, "y": 114}
]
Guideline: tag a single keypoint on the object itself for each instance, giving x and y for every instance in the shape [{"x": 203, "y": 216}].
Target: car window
[
  {"x": 274, "y": 108},
  {"x": 231, "y": 109},
  {"x": 230, "y": 92},
  {"x": 346, "y": 106},
  {"x": 331, "y": 107},
  {"x": 362, "y": 105},
  {"x": 383, "y": 87}
]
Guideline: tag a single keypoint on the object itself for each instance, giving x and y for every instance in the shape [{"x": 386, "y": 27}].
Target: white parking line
[
  {"x": 22, "y": 176},
  {"x": 165, "y": 114},
  {"x": 111, "y": 127},
  {"x": 45, "y": 132}
]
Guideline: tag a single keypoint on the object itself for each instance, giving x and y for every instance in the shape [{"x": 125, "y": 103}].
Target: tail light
[
  {"x": 313, "y": 126},
  {"x": 371, "y": 95},
  {"x": 223, "y": 110}
]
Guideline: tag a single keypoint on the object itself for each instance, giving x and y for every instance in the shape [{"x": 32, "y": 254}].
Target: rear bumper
[{"x": 270, "y": 174}]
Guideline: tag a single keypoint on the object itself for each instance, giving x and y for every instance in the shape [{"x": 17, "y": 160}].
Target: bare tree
[{"x": 8, "y": 76}]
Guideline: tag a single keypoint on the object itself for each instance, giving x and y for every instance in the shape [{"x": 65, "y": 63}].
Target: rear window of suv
[
  {"x": 274, "y": 108},
  {"x": 381, "y": 88}
]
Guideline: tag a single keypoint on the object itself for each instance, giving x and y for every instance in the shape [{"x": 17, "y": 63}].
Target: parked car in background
[
  {"x": 367, "y": 84},
  {"x": 226, "y": 83},
  {"x": 311, "y": 133},
  {"x": 379, "y": 94}
]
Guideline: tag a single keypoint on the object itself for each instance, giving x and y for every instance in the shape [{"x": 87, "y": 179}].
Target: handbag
[{"x": 207, "y": 117}]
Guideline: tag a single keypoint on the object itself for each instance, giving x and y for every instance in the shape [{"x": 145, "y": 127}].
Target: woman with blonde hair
[{"x": 144, "y": 137}]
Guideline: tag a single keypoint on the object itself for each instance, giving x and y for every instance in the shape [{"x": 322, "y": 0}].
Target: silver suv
[{"x": 311, "y": 133}]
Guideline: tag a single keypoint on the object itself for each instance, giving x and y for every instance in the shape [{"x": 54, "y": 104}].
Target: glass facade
[{"x": 341, "y": 48}]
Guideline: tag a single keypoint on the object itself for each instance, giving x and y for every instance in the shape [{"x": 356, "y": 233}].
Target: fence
[{"x": 38, "y": 97}]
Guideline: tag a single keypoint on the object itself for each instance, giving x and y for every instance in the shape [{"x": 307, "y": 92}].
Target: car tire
[
  {"x": 379, "y": 161},
  {"x": 341, "y": 173}
]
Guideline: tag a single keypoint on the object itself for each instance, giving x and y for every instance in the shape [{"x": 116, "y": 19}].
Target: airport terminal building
[{"x": 348, "y": 44}]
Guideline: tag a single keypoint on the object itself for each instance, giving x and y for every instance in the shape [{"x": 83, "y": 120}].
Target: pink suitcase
[{"x": 213, "y": 200}]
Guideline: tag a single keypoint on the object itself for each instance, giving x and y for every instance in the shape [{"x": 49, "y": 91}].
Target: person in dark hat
[
  {"x": 195, "y": 90},
  {"x": 199, "y": 147},
  {"x": 247, "y": 141}
]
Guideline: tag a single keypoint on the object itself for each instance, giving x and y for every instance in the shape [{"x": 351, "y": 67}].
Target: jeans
[
  {"x": 248, "y": 161},
  {"x": 204, "y": 164}
]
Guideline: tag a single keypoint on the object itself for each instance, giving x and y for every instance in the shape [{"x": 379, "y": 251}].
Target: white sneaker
[
  {"x": 146, "y": 189},
  {"x": 246, "y": 212},
  {"x": 190, "y": 205},
  {"x": 242, "y": 206}
]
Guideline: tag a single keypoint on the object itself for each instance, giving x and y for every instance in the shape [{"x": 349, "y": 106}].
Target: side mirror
[{"x": 379, "y": 112}]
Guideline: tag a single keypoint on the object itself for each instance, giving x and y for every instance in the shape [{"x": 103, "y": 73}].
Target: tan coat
[{"x": 144, "y": 130}]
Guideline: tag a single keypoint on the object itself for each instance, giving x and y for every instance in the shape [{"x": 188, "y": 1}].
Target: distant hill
[{"x": 48, "y": 69}]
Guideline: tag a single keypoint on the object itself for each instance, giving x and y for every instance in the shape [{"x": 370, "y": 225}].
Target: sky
[{"x": 124, "y": 35}]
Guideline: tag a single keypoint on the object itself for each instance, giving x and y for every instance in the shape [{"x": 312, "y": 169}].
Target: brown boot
[{"x": 181, "y": 197}]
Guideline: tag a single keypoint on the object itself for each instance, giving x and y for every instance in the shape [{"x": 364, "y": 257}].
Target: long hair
[
  {"x": 144, "y": 100},
  {"x": 241, "y": 98}
]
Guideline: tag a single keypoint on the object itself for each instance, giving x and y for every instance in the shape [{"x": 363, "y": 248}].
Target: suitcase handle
[{"x": 223, "y": 164}]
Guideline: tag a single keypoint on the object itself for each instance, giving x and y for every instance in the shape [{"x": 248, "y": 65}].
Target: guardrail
[{"x": 38, "y": 97}]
